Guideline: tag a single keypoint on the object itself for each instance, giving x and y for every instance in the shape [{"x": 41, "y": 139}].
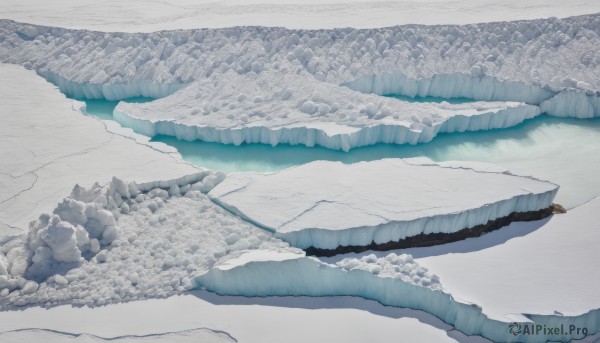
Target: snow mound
[
  {"x": 280, "y": 107},
  {"x": 85, "y": 229},
  {"x": 326, "y": 205},
  {"x": 401, "y": 267}
]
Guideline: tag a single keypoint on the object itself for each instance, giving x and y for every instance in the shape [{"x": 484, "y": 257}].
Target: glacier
[
  {"x": 148, "y": 245},
  {"x": 552, "y": 53},
  {"x": 313, "y": 206},
  {"x": 566, "y": 103},
  {"x": 138, "y": 16},
  {"x": 544, "y": 63}
]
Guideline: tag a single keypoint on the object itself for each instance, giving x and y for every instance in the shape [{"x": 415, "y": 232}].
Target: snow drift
[{"x": 81, "y": 227}]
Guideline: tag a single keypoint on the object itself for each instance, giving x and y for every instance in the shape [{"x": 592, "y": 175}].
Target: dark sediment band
[{"x": 427, "y": 240}]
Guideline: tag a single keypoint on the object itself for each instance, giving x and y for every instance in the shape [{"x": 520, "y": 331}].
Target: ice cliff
[
  {"x": 554, "y": 54},
  {"x": 163, "y": 238},
  {"x": 327, "y": 205}
]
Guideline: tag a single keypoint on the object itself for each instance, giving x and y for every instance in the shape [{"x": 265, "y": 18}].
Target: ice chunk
[{"x": 335, "y": 204}]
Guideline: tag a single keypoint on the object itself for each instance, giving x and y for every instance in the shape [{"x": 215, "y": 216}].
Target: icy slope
[
  {"x": 328, "y": 204},
  {"x": 279, "y": 107},
  {"x": 47, "y": 146},
  {"x": 136, "y": 16}
]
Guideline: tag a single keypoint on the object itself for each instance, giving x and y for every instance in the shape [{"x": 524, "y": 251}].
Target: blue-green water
[
  {"x": 562, "y": 150},
  {"x": 103, "y": 109}
]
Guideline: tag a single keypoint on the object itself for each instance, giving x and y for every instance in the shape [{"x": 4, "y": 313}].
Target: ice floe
[{"x": 326, "y": 205}]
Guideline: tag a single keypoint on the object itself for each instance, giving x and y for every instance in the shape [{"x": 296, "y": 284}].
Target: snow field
[{"x": 137, "y": 16}]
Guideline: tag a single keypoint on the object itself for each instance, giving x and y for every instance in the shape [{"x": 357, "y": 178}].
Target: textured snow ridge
[
  {"x": 384, "y": 280},
  {"x": 275, "y": 108},
  {"x": 70, "y": 243},
  {"x": 329, "y": 204},
  {"x": 558, "y": 54},
  {"x": 139, "y": 16}
]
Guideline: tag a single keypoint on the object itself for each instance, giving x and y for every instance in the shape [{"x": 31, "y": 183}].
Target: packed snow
[
  {"x": 117, "y": 241},
  {"x": 272, "y": 108},
  {"x": 136, "y": 16},
  {"x": 531, "y": 271},
  {"x": 47, "y": 145},
  {"x": 330, "y": 319},
  {"x": 51, "y": 336},
  {"x": 552, "y": 54},
  {"x": 542, "y": 267},
  {"x": 330, "y": 204}
]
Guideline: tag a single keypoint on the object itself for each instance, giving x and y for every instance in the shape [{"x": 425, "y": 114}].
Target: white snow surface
[
  {"x": 330, "y": 319},
  {"x": 393, "y": 280},
  {"x": 275, "y": 108},
  {"x": 544, "y": 55},
  {"x": 51, "y": 336},
  {"x": 47, "y": 146},
  {"x": 136, "y": 16},
  {"x": 329, "y": 204},
  {"x": 538, "y": 267}
]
